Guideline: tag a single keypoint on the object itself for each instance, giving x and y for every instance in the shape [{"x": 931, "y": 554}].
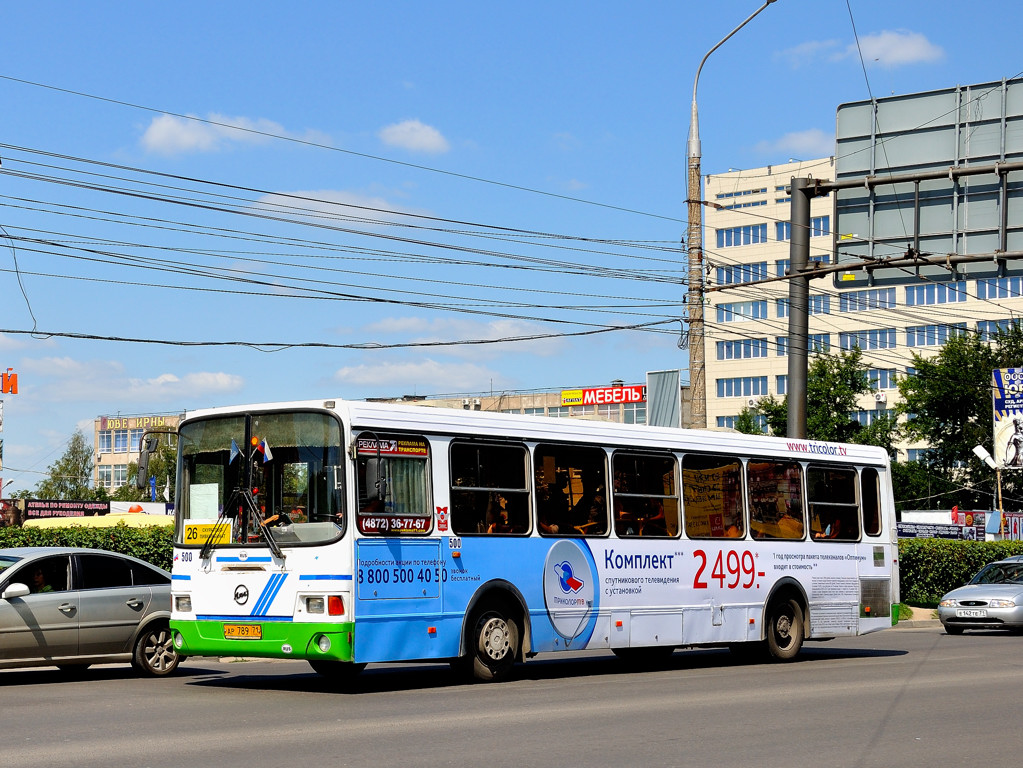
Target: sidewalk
[{"x": 921, "y": 618}]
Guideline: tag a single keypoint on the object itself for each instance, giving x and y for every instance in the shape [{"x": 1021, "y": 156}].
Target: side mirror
[
  {"x": 16, "y": 589},
  {"x": 376, "y": 479},
  {"x": 150, "y": 444}
]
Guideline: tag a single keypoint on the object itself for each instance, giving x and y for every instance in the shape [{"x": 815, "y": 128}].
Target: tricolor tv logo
[{"x": 569, "y": 583}]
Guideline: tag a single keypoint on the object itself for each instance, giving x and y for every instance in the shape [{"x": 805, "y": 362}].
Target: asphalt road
[{"x": 905, "y": 697}]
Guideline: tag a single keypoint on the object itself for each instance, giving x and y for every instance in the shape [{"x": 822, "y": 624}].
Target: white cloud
[
  {"x": 887, "y": 48},
  {"x": 422, "y": 330},
  {"x": 420, "y": 377},
  {"x": 808, "y": 52},
  {"x": 895, "y": 48},
  {"x": 173, "y": 135},
  {"x": 415, "y": 137},
  {"x": 806, "y": 145},
  {"x": 334, "y": 202},
  {"x": 64, "y": 379}
]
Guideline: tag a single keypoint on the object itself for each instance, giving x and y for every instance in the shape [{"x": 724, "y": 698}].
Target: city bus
[{"x": 348, "y": 533}]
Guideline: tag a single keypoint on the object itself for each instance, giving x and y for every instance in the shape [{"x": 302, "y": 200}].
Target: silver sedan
[
  {"x": 70, "y": 608},
  {"x": 993, "y": 599}
]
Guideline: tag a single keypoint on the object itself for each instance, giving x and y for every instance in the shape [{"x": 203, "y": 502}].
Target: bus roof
[{"x": 423, "y": 418}]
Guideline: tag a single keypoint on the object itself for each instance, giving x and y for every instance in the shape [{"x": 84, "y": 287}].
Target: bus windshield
[{"x": 294, "y": 462}]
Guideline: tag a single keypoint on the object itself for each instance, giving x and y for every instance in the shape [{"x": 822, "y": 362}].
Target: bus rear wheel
[
  {"x": 494, "y": 644},
  {"x": 784, "y": 629}
]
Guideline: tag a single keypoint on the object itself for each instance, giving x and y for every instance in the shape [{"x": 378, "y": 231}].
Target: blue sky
[{"x": 405, "y": 174}]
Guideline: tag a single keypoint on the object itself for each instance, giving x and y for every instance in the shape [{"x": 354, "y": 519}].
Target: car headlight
[
  {"x": 999, "y": 603},
  {"x": 948, "y": 602}
]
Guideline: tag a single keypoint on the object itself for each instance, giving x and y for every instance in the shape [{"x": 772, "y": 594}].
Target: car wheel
[
  {"x": 154, "y": 654},
  {"x": 952, "y": 629}
]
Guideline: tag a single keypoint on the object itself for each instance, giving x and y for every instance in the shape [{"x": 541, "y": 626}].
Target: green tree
[
  {"x": 948, "y": 405},
  {"x": 70, "y": 475},
  {"x": 162, "y": 466},
  {"x": 747, "y": 422}
]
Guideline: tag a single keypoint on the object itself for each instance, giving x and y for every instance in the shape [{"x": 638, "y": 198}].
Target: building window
[
  {"x": 105, "y": 475},
  {"x": 1000, "y": 288},
  {"x": 740, "y": 193},
  {"x": 988, "y": 329},
  {"x": 741, "y": 349},
  {"x": 932, "y": 335},
  {"x": 866, "y": 418},
  {"x": 882, "y": 378},
  {"x": 781, "y": 384},
  {"x": 820, "y": 226},
  {"x": 820, "y": 305},
  {"x": 935, "y": 293},
  {"x": 862, "y": 301},
  {"x": 533, "y": 411},
  {"x": 559, "y": 412},
  {"x": 748, "y": 204},
  {"x": 783, "y": 230},
  {"x": 120, "y": 441},
  {"x": 742, "y": 273},
  {"x": 608, "y": 412},
  {"x": 581, "y": 410},
  {"x": 916, "y": 454},
  {"x": 743, "y": 386},
  {"x": 105, "y": 443},
  {"x": 875, "y": 338},
  {"x": 750, "y": 234},
  {"x": 634, "y": 413},
  {"x": 135, "y": 440},
  {"x": 815, "y": 342},
  {"x": 741, "y": 311},
  {"x": 782, "y": 266},
  {"x": 120, "y": 475},
  {"x": 728, "y": 422}
]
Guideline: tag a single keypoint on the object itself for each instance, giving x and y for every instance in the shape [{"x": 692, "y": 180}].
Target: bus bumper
[{"x": 276, "y": 640}]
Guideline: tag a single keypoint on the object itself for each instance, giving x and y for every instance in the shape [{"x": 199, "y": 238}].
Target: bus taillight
[{"x": 335, "y": 605}]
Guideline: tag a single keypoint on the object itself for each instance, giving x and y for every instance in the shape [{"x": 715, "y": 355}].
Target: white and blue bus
[{"x": 347, "y": 533}]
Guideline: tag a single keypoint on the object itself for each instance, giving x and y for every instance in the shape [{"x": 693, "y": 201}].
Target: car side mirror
[{"x": 16, "y": 590}]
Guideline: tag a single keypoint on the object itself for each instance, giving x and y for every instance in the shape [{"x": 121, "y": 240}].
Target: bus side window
[
  {"x": 870, "y": 497},
  {"x": 834, "y": 512},
  {"x": 571, "y": 487},
  {"x": 776, "y": 499},
  {"x": 489, "y": 489},
  {"x": 712, "y": 497},
  {"x": 645, "y": 495}
]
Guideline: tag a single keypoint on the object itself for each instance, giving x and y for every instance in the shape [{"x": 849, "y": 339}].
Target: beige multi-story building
[
  {"x": 116, "y": 441},
  {"x": 747, "y": 239}
]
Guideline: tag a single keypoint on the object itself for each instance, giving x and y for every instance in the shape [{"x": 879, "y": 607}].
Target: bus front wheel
[
  {"x": 784, "y": 629},
  {"x": 494, "y": 644}
]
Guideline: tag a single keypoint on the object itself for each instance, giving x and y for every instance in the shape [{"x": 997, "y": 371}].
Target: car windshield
[
  {"x": 1000, "y": 573},
  {"x": 6, "y": 561}
]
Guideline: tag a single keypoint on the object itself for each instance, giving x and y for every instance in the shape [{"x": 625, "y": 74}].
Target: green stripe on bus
[{"x": 206, "y": 638}]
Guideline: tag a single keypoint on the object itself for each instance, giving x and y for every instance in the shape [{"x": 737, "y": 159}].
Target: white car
[{"x": 993, "y": 599}]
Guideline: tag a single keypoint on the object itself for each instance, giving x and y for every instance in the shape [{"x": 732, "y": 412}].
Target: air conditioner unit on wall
[
  {"x": 880, "y": 397},
  {"x": 752, "y": 402}
]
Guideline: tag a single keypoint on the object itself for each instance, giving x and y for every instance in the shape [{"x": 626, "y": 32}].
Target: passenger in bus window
[{"x": 497, "y": 514}]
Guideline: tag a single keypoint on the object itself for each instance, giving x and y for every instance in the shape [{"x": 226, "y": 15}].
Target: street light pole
[{"x": 694, "y": 237}]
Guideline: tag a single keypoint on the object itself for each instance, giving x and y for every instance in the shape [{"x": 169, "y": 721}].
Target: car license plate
[
  {"x": 243, "y": 632},
  {"x": 971, "y": 613}
]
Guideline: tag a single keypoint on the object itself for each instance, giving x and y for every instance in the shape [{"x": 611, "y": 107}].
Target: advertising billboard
[{"x": 1007, "y": 393}]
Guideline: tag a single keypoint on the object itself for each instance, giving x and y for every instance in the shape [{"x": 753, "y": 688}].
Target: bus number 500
[{"x": 732, "y": 566}]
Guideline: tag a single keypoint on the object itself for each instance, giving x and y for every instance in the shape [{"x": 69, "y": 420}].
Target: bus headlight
[
  {"x": 178, "y": 639},
  {"x": 183, "y": 603},
  {"x": 323, "y": 643},
  {"x": 314, "y": 605}
]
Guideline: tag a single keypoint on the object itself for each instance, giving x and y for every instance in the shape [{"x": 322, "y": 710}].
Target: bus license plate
[
  {"x": 243, "y": 632},
  {"x": 971, "y": 613}
]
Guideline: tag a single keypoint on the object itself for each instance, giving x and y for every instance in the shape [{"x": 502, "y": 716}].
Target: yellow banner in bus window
[{"x": 198, "y": 533}]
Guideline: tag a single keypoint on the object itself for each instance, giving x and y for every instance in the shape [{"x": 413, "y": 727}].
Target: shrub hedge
[
  {"x": 928, "y": 568},
  {"x": 154, "y": 544}
]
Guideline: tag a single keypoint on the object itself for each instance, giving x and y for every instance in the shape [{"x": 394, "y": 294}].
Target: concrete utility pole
[
  {"x": 694, "y": 238},
  {"x": 799, "y": 304}
]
